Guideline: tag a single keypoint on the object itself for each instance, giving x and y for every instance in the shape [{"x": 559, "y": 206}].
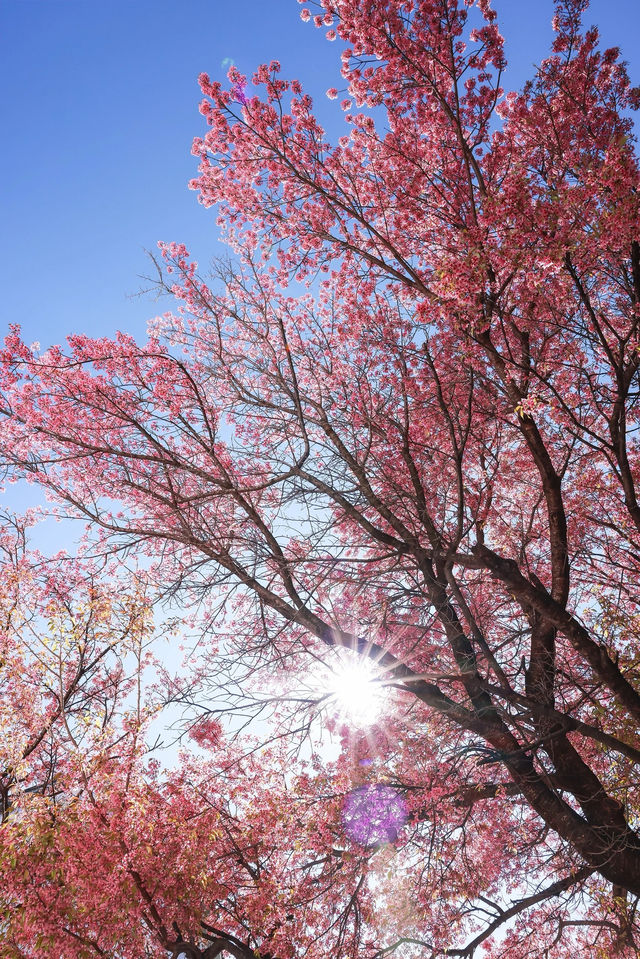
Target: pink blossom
[{"x": 239, "y": 93}]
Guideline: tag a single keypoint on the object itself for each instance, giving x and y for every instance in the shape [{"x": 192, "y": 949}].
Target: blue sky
[{"x": 98, "y": 111}]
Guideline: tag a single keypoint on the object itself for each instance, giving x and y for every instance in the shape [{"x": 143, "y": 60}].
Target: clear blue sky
[{"x": 98, "y": 110}]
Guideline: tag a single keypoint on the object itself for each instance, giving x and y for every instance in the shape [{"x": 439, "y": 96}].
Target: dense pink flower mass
[{"x": 402, "y": 420}]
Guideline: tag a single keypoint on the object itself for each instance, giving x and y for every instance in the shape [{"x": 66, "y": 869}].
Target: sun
[{"x": 354, "y": 688}]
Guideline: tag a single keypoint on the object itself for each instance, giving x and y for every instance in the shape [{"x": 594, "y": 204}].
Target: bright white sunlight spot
[{"x": 355, "y": 687}]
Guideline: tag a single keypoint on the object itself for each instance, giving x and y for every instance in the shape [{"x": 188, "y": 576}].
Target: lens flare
[{"x": 374, "y": 814}]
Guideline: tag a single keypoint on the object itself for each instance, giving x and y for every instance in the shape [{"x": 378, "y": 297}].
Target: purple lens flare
[{"x": 374, "y": 814}]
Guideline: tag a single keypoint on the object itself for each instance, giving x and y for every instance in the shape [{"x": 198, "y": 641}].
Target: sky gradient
[{"x": 99, "y": 109}]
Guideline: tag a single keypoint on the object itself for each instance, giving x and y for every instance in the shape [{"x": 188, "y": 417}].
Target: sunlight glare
[{"x": 356, "y": 690}]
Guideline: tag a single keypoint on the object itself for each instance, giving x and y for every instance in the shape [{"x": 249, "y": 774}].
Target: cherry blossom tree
[
  {"x": 401, "y": 422},
  {"x": 72, "y": 655}
]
